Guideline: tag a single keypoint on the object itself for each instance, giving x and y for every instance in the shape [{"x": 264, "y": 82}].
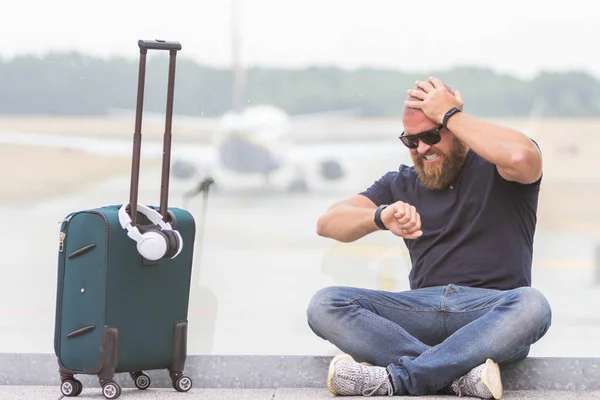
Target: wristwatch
[
  {"x": 377, "y": 217},
  {"x": 448, "y": 114}
]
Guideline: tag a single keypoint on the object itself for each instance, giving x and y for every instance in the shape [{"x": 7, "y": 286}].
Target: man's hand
[
  {"x": 435, "y": 99},
  {"x": 402, "y": 220}
]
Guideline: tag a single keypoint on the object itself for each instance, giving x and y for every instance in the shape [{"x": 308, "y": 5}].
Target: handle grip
[{"x": 158, "y": 44}]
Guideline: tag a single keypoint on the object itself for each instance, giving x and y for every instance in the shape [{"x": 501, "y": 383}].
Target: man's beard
[{"x": 439, "y": 175}]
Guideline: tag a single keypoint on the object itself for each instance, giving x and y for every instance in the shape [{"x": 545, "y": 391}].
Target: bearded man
[{"x": 466, "y": 211}]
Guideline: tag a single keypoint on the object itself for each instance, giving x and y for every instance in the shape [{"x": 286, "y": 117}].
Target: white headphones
[{"x": 153, "y": 244}]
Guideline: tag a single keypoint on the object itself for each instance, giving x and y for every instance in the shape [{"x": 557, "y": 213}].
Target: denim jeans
[{"x": 429, "y": 337}]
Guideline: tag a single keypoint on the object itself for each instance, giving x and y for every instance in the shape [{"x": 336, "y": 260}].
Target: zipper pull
[
  {"x": 66, "y": 219},
  {"x": 61, "y": 242}
]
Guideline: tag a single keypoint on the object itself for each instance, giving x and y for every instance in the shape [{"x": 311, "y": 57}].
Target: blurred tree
[{"x": 72, "y": 83}]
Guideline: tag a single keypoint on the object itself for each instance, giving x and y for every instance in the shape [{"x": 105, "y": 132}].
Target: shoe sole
[
  {"x": 492, "y": 379},
  {"x": 331, "y": 371}
]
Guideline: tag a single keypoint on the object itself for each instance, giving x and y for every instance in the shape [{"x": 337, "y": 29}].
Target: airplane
[
  {"x": 251, "y": 146},
  {"x": 257, "y": 144}
]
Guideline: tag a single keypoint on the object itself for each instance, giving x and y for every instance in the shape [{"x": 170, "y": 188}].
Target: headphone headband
[
  {"x": 154, "y": 216},
  {"x": 153, "y": 244}
]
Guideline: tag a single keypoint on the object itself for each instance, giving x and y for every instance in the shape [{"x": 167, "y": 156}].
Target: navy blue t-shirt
[{"x": 478, "y": 232}]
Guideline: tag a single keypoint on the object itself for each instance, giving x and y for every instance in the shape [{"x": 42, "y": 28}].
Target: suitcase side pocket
[
  {"x": 60, "y": 277},
  {"x": 82, "y": 292}
]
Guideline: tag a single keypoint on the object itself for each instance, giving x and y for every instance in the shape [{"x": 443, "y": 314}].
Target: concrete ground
[{"x": 53, "y": 393}]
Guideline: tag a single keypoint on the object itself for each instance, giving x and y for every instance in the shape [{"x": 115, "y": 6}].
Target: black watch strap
[
  {"x": 448, "y": 114},
  {"x": 377, "y": 217}
]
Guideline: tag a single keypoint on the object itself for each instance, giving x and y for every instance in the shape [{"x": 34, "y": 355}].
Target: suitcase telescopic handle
[
  {"x": 158, "y": 44},
  {"x": 144, "y": 46}
]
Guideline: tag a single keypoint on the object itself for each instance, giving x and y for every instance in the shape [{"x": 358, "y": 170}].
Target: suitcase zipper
[
  {"x": 65, "y": 224},
  {"x": 61, "y": 244},
  {"x": 63, "y": 234}
]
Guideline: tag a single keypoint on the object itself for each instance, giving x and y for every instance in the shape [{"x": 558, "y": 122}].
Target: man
[{"x": 466, "y": 211}]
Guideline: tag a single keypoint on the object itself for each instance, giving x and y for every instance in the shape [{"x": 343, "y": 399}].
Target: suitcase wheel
[
  {"x": 182, "y": 383},
  {"x": 141, "y": 380},
  {"x": 111, "y": 390},
  {"x": 71, "y": 387}
]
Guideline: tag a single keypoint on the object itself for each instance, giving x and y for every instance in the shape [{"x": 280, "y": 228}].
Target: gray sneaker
[
  {"x": 346, "y": 377},
  {"x": 483, "y": 381}
]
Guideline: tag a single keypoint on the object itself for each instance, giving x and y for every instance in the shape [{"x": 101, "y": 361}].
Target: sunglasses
[{"x": 429, "y": 137}]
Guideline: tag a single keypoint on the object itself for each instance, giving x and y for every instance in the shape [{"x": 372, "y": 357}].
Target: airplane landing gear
[
  {"x": 298, "y": 186},
  {"x": 202, "y": 187}
]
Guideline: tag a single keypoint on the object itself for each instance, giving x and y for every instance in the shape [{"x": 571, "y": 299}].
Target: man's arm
[
  {"x": 348, "y": 220},
  {"x": 516, "y": 156}
]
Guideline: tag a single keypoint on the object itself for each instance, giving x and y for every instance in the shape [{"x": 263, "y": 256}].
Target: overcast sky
[{"x": 520, "y": 37}]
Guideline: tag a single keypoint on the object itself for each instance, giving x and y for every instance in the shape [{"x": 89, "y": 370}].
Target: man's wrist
[
  {"x": 449, "y": 114},
  {"x": 377, "y": 217}
]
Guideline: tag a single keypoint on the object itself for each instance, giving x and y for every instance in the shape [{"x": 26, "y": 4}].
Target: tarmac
[{"x": 258, "y": 262}]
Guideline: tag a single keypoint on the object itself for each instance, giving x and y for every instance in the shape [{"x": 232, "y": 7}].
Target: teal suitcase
[{"x": 124, "y": 274}]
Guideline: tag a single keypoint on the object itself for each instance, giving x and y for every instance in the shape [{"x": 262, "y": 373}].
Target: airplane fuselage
[
  {"x": 255, "y": 146},
  {"x": 240, "y": 155},
  {"x": 254, "y": 140}
]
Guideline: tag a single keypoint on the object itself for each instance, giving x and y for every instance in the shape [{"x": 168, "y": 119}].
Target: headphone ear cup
[
  {"x": 179, "y": 243},
  {"x": 154, "y": 245},
  {"x": 173, "y": 247}
]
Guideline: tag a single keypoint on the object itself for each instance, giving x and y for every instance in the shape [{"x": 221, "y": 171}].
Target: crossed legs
[{"x": 427, "y": 338}]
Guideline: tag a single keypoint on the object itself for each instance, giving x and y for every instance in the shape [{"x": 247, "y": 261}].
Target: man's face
[{"x": 439, "y": 164}]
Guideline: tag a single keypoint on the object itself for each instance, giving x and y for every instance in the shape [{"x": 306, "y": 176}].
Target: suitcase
[{"x": 124, "y": 274}]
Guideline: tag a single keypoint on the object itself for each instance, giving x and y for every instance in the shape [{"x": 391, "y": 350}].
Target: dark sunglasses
[{"x": 429, "y": 137}]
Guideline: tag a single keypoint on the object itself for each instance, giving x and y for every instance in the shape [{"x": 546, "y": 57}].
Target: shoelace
[
  {"x": 371, "y": 391},
  {"x": 459, "y": 384}
]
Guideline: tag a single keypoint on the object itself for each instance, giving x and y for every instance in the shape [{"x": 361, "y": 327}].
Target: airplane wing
[
  {"x": 352, "y": 151},
  {"x": 110, "y": 147},
  {"x": 349, "y": 142},
  {"x": 338, "y": 159},
  {"x": 341, "y": 113},
  {"x": 196, "y": 124}
]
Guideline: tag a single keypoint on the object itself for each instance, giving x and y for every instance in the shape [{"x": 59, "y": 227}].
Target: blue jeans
[{"x": 429, "y": 337}]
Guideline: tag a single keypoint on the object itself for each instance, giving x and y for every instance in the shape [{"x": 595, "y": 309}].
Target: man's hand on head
[
  {"x": 434, "y": 99},
  {"x": 402, "y": 220}
]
